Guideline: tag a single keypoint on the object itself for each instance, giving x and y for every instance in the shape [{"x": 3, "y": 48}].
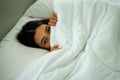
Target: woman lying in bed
[{"x": 37, "y": 33}]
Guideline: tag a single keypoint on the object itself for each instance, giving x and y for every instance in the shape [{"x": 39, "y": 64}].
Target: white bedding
[
  {"x": 87, "y": 31},
  {"x": 91, "y": 49}
]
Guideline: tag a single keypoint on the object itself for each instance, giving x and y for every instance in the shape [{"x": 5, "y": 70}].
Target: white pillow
[{"x": 40, "y": 9}]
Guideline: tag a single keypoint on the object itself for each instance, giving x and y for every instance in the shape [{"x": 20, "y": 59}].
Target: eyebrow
[{"x": 42, "y": 40}]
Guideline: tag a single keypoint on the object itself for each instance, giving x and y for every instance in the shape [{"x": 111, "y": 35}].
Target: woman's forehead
[{"x": 41, "y": 27}]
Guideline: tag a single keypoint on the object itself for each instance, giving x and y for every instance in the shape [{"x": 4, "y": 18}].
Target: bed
[{"x": 90, "y": 55}]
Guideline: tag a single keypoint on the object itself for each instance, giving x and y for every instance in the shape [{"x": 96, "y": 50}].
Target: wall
[{"x": 10, "y": 12}]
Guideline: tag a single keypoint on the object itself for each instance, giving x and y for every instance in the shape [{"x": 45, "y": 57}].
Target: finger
[
  {"x": 53, "y": 18},
  {"x": 55, "y": 46},
  {"x": 52, "y": 24},
  {"x": 54, "y": 14},
  {"x": 52, "y": 49},
  {"x": 53, "y": 21}
]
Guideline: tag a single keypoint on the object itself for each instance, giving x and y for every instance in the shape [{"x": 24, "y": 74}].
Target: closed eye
[{"x": 45, "y": 40}]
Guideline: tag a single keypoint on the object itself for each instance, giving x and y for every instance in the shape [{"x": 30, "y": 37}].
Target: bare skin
[
  {"x": 53, "y": 19},
  {"x": 42, "y": 34}
]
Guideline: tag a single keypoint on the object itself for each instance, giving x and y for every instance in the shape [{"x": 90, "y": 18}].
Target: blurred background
[{"x": 10, "y": 12}]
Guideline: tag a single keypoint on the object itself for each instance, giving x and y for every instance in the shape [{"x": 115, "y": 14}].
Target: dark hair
[{"x": 26, "y": 34}]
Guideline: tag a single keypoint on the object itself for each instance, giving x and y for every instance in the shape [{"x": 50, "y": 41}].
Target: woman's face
[{"x": 42, "y": 36}]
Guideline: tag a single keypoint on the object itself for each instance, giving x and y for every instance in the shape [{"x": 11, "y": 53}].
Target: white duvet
[{"x": 88, "y": 33}]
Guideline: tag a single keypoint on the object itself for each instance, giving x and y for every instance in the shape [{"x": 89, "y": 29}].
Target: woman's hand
[
  {"x": 53, "y": 19},
  {"x": 55, "y": 47}
]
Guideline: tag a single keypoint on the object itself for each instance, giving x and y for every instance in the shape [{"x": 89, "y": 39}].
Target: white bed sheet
[{"x": 14, "y": 57}]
